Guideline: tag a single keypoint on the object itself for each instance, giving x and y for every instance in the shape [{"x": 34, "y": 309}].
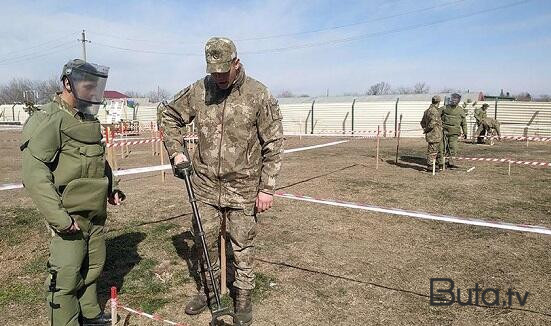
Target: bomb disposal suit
[{"x": 69, "y": 180}]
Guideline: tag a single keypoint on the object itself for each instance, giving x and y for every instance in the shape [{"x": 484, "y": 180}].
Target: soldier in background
[
  {"x": 29, "y": 107},
  {"x": 454, "y": 123},
  {"x": 66, "y": 174},
  {"x": 235, "y": 163},
  {"x": 432, "y": 128},
  {"x": 480, "y": 114},
  {"x": 488, "y": 127}
]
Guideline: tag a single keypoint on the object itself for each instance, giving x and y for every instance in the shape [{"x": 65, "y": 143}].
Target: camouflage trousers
[
  {"x": 240, "y": 234},
  {"x": 451, "y": 146},
  {"x": 434, "y": 152}
]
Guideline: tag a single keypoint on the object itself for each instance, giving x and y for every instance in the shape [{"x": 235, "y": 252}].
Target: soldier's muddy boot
[
  {"x": 197, "y": 304},
  {"x": 243, "y": 308}
]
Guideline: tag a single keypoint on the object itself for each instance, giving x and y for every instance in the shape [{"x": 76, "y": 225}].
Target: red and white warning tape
[
  {"x": 115, "y": 304},
  {"x": 422, "y": 215},
  {"x": 135, "y": 142},
  {"x": 121, "y": 142},
  {"x": 352, "y": 132},
  {"x": 504, "y": 160},
  {"x": 523, "y": 138}
]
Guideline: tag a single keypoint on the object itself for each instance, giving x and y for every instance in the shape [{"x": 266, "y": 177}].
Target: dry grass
[{"x": 318, "y": 265}]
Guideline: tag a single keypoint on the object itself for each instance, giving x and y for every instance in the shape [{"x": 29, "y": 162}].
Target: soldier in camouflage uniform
[
  {"x": 432, "y": 128},
  {"x": 454, "y": 123},
  {"x": 480, "y": 114},
  {"x": 235, "y": 163},
  {"x": 66, "y": 174}
]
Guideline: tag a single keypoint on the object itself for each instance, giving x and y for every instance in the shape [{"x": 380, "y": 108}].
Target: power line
[
  {"x": 147, "y": 51},
  {"x": 37, "y": 46},
  {"x": 338, "y": 40},
  {"x": 393, "y": 31},
  {"x": 351, "y": 24},
  {"x": 34, "y": 53},
  {"x": 61, "y": 47},
  {"x": 266, "y": 37}
]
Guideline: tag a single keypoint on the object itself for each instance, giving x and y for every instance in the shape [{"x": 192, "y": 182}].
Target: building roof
[{"x": 113, "y": 95}]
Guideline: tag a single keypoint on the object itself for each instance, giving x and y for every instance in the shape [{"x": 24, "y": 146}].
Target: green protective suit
[
  {"x": 454, "y": 123},
  {"x": 67, "y": 177},
  {"x": 480, "y": 114}
]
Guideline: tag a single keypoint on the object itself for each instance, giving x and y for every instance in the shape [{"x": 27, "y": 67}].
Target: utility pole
[{"x": 84, "y": 41}]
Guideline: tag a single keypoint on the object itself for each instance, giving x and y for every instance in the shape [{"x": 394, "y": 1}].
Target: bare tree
[
  {"x": 46, "y": 89},
  {"x": 450, "y": 90},
  {"x": 381, "y": 88},
  {"x": 421, "y": 88},
  {"x": 402, "y": 90},
  {"x": 14, "y": 90},
  {"x": 543, "y": 98},
  {"x": 524, "y": 96},
  {"x": 159, "y": 95},
  {"x": 286, "y": 93}
]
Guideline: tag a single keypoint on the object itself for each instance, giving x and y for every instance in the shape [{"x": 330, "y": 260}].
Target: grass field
[{"x": 317, "y": 264}]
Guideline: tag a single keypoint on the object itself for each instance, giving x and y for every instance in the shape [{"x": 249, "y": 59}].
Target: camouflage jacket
[
  {"x": 240, "y": 139},
  {"x": 479, "y": 115},
  {"x": 454, "y": 120},
  {"x": 432, "y": 124}
]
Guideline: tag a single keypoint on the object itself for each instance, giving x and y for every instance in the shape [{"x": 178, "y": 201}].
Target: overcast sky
[{"x": 301, "y": 46}]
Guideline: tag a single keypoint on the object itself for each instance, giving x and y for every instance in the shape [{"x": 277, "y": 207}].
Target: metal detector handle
[
  {"x": 185, "y": 171},
  {"x": 186, "y": 174}
]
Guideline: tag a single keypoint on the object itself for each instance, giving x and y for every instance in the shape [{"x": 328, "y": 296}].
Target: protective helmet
[{"x": 87, "y": 82}]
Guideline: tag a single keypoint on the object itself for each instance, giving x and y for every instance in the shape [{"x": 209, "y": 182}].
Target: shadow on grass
[
  {"x": 415, "y": 294},
  {"x": 122, "y": 257},
  {"x": 185, "y": 248},
  {"x": 408, "y": 166}
]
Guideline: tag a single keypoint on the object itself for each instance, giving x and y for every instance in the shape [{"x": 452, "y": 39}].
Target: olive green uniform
[
  {"x": 488, "y": 126},
  {"x": 67, "y": 177},
  {"x": 432, "y": 128},
  {"x": 479, "y": 115},
  {"x": 454, "y": 123}
]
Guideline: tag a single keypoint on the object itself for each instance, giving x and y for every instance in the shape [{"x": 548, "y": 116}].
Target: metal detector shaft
[{"x": 197, "y": 217}]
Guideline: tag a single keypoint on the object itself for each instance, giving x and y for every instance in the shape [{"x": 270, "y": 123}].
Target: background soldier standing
[
  {"x": 432, "y": 128},
  {"x": 454, "y": 123},
  {"x": 66, "y": 175},
  {"x": 480, "y": 114},
  {"x": 235, "y": 163}
]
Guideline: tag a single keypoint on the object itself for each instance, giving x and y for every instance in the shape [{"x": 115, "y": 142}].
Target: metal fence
[{"x": 318, "y": 116}]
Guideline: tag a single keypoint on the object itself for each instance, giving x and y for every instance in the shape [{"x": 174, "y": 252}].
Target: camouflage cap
[
  {"x": 219, "y": 52},
  {"x": 455, "y": 95},
  {"x": 485, "y": 105},
  {"x": 436, "y": 98}
]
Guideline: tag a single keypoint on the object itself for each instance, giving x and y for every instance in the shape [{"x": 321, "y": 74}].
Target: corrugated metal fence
[{"x": 517, "y": 118}]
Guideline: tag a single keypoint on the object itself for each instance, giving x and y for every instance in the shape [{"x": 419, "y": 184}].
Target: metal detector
[{"x": 184, "y": 171}]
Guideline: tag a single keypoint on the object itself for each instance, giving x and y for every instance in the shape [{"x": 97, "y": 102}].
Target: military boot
[
  {"x": 197, "y": 304},
  {"x": 243, "y": 308},
  {"x": 101, "y": 320}
]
